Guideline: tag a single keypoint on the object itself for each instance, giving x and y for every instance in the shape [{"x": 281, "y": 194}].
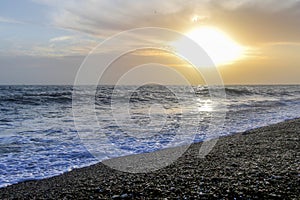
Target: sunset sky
[{"x": 45, "y": 41}]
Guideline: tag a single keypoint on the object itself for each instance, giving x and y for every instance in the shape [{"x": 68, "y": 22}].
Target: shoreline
[{"x": 258, "y": 163}]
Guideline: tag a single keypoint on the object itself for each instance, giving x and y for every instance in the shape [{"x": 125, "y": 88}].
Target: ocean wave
[
  {"x": 37, "y": 99},
  {"x": 38, "y": 136}
]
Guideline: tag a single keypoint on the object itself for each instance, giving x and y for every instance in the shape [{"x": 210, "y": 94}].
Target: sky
[{"x": 46, "y": 41}]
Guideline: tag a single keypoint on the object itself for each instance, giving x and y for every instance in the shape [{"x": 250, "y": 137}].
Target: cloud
[
  {"x": 62, "y": 38},
  {"x": 71, "y": 45},
  {"x": 256, "y": 22},
  {"x": 250, "y": 21},
  {"x": 38, "y": 70},
  {"x": 107, "y": 17},
  {"x": 10, "y": 21}
]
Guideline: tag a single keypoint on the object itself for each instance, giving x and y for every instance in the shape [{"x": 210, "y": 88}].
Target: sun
[{"x": 218, "y": 45}]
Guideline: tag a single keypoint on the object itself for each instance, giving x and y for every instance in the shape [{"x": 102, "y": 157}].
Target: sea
[{"x": 47, "y": 130}]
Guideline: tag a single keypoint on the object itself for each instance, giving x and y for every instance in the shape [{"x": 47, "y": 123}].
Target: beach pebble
[
  {"x": 124, "y": 195},
  {"x": 115, "y": 197},
  {"x": 254, "y": 174},
  {"x": 276, "y": 177}
]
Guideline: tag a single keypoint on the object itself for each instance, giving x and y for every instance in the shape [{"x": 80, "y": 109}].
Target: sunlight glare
[{"x": 217, "y": 44}]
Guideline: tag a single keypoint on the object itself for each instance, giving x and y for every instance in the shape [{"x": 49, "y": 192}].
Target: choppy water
[{"x": 38, "y": 137}]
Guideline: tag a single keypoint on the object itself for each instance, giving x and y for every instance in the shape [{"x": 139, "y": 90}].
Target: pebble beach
[{"x": 262, "y": 163}]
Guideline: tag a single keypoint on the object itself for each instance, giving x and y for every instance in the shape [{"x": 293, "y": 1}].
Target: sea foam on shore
[
  {"x": 38, "y": 138},
  {"x": 258, "y": 164}
]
